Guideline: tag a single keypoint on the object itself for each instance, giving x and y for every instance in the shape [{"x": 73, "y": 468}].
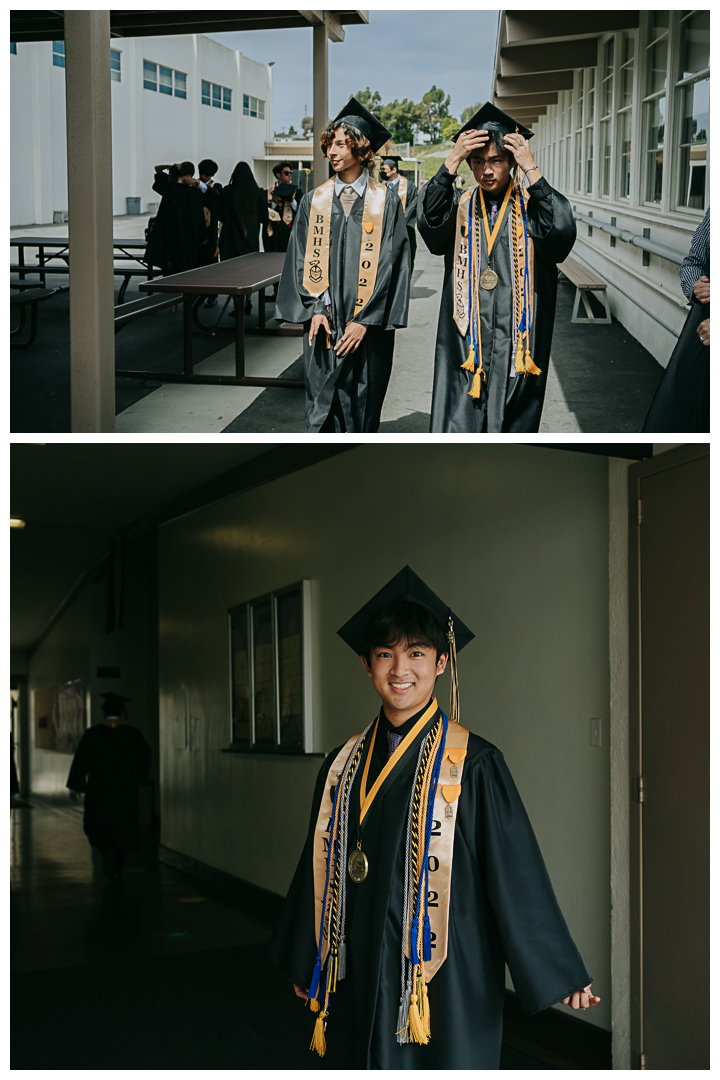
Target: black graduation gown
[
  {"x": 411, "y": 203},
  {"x": 179, "y": 233},
  {"x": 506, "y": 403},
  {"x": 108, "y": 766},
  {"x": 212, "y": 202},
  {"x": 349, "y": 389},
  {"x": 281, "y": 232},
  {"x": 682, "y": 400},
  {"x": 502, "y": 910},
  {"x": 234, "y": 241}
]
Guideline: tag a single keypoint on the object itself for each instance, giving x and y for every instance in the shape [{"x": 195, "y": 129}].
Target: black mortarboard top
[
  {"x": 404, "y": 586},
  {"x": 113, "y": 702},
  {"x": 285, "y": 191},
  {"x": 489, "y": 118},
  {"x": 356, "y": 114},
  {"x": 395, "y": 159}
]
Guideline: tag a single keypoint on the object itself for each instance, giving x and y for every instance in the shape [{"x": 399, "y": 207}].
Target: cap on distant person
[
  {"x": 113, "y": 704},
  {"x": 285, "y": 191},
  {"x": 490, "y": 118},
  {"x": 404, "y": 586},
  {"x": 368, "y": 125},
  {"x": 391, "y": 159}
]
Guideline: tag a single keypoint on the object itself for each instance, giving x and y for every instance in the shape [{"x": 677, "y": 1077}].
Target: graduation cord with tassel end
[
  {"x": 332, "y": 920},
  {"x": 454, "y": 685},
  {"x": 474, "y": 362},
  {"x": 524, "y": 364}
]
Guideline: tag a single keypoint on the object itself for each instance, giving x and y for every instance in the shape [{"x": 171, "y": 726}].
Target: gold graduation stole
[
  {"x": 441, "y": 841},
  {"x": 402, "y": 191},
  {"x": 316, "y": 269},
  {"x": 468, "y": 274}
]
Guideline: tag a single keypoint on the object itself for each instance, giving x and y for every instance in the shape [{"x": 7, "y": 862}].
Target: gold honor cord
[
  {"x": 488, "y": 278},
  {"x": 366, "y": 802},
  {"x": 402, "y": 191},
  {"x": 316, "y": 268}
]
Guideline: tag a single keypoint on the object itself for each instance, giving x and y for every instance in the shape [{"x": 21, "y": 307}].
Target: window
[
  {"x": 165, "y": 79},
  {"x": 13, "y": 47},
  {"x": 253, "y": 106},
  {"x": 654, "y": 106},
  {"x": 269, "y": 647},
  {"x": 115, "y": 72},
  {"x": 58, "y": 53},
  {"x": 579, "y": 130},
  {"x": 589, "y": 130},
  {"x": 219, "y": 97},
  {"x": 692, "y": 97},
  {"x": 606, "y": 108},
  {"x": 624, "y": 116}
]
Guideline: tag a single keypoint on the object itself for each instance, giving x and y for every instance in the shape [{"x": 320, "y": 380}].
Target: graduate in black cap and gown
[
  {"x": 501, "y": 247},
  {"x": 406, "y": 192},
  {"x": 111, "y": 760},
  {"x": 283, "y": 201},
  {"x": 347, "y": 279},
  {"x": 434, "y": 879}
]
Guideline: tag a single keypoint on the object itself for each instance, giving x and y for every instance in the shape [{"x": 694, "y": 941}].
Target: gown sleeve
[
  {"x": 411, "y": 206},
  {"x": 293, "y": 947},
  {"x": 551, "y": 222},
  {"x": 542, "y": 957},
  {"x": 293, "y": 303},
  {"x": 437, "y": 210},
  {"x": 77, "y": 777}
]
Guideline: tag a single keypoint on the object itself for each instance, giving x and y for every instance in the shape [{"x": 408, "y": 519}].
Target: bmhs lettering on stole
[
  {"x": 460, "y": 273},
  {"x": 316, "y": 273}
]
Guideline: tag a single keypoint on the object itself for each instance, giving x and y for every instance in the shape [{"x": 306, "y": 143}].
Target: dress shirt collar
[{"x": 358, "y": 187}]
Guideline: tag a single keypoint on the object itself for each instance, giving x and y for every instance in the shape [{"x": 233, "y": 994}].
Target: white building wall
[
  {"x": 149, "y": 128},
  {"x": 647, "y": 300}
]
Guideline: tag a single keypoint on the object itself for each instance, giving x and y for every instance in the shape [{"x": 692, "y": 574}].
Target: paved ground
[{"x": 600, "y": 380}]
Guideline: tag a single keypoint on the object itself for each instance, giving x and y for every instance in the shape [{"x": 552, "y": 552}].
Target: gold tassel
[
  {"x": 426, "y": 1012},
  {"x": 519, "y": 365},
  {"x": 454, "y": 686},
  {"x": 531, "y": 367},
  {"x": 314, "y": 1005},
  {"x": 417, "y": 1031},
  {"x": 470, "y": 362},
  {"x": 318, "y": 1040},
  {"x": 476, "y": 384}
]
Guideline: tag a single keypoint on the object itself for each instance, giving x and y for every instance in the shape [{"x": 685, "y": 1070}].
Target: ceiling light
[{"x": 17, "y": 523}]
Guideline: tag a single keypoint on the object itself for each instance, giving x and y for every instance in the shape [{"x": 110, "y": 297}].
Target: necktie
[
  {"x": 493, "y": 214},
  {"x": 393, "y": 743},
  {"x": 348, "y": 196}
]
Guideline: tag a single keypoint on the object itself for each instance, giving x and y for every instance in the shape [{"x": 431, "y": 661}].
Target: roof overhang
[{"x": 49, "y": 25}]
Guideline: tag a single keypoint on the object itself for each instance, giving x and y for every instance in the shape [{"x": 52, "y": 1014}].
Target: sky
[{"x": 401, "y": 54}]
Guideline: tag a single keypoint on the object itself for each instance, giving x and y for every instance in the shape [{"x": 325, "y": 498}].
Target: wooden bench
[
  {"x": 30, "y": 297},
  {"x": 290, "y": 329},
  {"x": 126, "y": 272},
  {"x": 135, "y": 309},
  {"x": 585, "y": 281}
]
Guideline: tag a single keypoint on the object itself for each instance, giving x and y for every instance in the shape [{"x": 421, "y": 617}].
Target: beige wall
[{"x": 515, "y": 538}]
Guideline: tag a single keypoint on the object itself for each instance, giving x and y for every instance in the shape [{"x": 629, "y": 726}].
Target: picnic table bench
[
  {"x": 29, "y": 298},
  {"x": 585, "y": 281},
  {"x": 58, "y": 247}
]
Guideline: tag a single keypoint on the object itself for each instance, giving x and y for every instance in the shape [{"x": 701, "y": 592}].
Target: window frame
[
  {"x": 653, "y": 37},
  {"x": 216, "y": 96},
  {"x": 676, "y": 89},
  {"x": 247, "y": 607},
  {"x": 621, "y": 111},
  {"x": 116, "y": 73},
  {"x": 58, "y": 54}
]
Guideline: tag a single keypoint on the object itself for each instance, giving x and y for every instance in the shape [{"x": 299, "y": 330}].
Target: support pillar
[
  {"x": 320, "y": 100},
  {"x": 90, "y": 226}
]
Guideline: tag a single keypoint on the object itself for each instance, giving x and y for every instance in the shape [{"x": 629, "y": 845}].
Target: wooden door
[{"x": 669, "y": 574}]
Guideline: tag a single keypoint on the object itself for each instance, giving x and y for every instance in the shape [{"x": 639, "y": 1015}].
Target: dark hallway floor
[{"x": 163, "y": 973}]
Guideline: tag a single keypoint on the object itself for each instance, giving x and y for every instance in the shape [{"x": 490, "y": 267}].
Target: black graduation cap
[
  {"x": 285, "y": 191},
  {"x": 391, "y": 159},
  {"x": 404, "y": 586},
  {"x": 356, "y": 114},
  {"x": 490, "y": 118},
  {"x": 113, "y": 703}
]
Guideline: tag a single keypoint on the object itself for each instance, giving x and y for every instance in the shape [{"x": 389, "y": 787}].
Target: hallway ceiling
[{"x": 74, "y": 497}]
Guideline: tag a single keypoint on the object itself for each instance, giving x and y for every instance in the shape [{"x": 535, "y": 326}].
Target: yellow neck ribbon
[
  {"x": 491, "y": 239},
  {"x": 367, "y": 800}
]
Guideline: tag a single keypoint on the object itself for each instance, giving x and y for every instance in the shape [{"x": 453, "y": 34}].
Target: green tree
[
  {"x": 448, "y": 126},
  {"x": 435, "y": 107},
  {"x": 467, "y": 114},
  {"x": 370, "y": 99},
  {"x": 401, "y": 118}
]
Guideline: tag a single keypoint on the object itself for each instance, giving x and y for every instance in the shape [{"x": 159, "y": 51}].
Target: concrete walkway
[{"x": 600, "y": 378}]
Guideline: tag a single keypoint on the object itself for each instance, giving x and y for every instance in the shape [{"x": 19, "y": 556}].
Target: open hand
[
  {"x": 467, "y": 143},
  {"x": 701, "y": 290},
  {"x": 318, "y": 321},
  {"x": 350, "y": 341},
  {"x": 583, "y": 999},
  {"x": 519, "y": 147}
]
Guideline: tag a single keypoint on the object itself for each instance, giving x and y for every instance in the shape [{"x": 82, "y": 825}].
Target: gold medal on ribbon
[
  {"x": 358, "y": 865},
  {"x": 488, "y": 279}
]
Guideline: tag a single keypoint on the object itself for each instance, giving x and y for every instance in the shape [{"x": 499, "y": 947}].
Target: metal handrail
[{"x": 632, "y": 238}]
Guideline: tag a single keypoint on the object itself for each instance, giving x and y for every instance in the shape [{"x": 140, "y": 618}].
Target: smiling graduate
[
  {"x": 421, "y": 876},
  {"x": 501, "y": 243},
  {"x": 346, "y": 277}
]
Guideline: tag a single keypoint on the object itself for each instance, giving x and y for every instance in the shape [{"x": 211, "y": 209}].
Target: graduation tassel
[
  {"x": 342, "y": 959},
  {"x": 426, "y": 1011},
  {"x": 454, "y": 686},
  {"x": 519, "y": 363},
  {"x": 314, "y": 1005},
  {"x": 318, "y": 1040},
  {"x": 315, "y": 982},
  {"x": 417, "y": 1031},
  {"x": 469, "y": 364},
  {"x": 476, "y": 388},
  {"x": 531, "y": 367},
  {"x": 403, "y": 1018}
]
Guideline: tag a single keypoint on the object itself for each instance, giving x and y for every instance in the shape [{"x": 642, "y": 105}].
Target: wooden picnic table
[
  {"x": 57, "y": 247},
  {"x": 237, "y": 278}
]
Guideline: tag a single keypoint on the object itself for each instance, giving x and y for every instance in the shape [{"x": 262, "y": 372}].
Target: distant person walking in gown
[
  {"x": 682, "y": 400},
  {"x": 111, "y": 760},
  {"x": 179, "y": 232},
  {"x": 244, "y": 213}
]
